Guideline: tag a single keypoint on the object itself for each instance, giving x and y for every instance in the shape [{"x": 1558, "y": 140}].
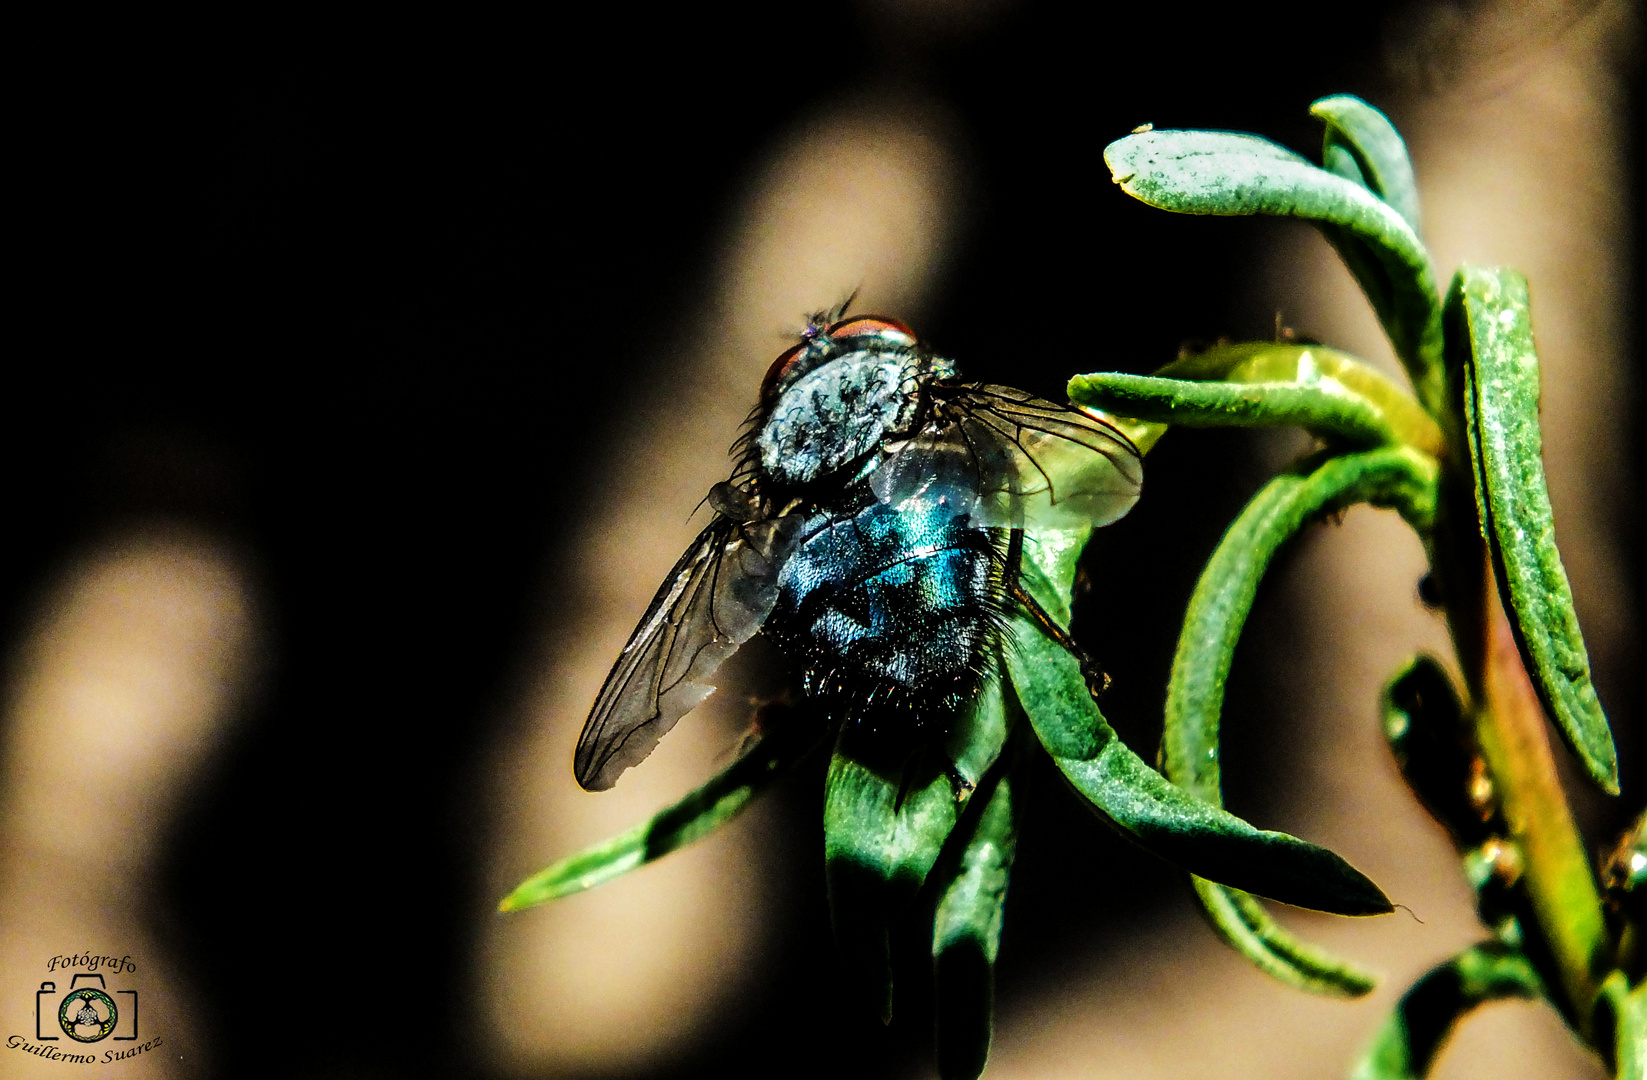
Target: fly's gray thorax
[{"x": 840, "y": 411}]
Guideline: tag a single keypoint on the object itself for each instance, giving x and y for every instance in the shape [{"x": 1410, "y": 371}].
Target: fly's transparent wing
[
  {"x": 1007, "y": 458},
  {"x": 714, "y": 600}
]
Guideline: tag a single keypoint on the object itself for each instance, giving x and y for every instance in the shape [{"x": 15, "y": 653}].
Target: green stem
[
  {"x": 1560, "y": 887},
  {"x": 1568, "y": 932}
]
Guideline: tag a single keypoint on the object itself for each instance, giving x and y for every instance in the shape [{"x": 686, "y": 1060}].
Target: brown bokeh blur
[{"x": 118, "y": 697}]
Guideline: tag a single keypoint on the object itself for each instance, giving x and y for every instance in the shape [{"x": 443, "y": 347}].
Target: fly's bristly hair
[{"x": 816, "y": 345}]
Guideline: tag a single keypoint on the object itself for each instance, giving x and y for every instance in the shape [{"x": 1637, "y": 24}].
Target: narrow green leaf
[
  {"x": 1407, "y": 1044},
  {"x": 1401, "y": 478},
  {"x": 1329, "y": 411},
  {"x": 1501, "y": 423},
  {"x": 1362, "y": 139},
  {"x": 1248, "y": 928},
  {"x": 1398, "y": 478},
  {"x": 884, "y": 828},
  {"x": 1631, "y": 1052},
  {"x": 966, "y": 934},
  {"x": 688, "y": 820},
  {"x": 859, "y": 834},
  {"x": 1166, "y": 819},
  {"x": 979, "y": 735},
  {"x": 1339, "y": 160},
  {"x": 1220, "y": 172},
  {"x": 876, "y": 854}
]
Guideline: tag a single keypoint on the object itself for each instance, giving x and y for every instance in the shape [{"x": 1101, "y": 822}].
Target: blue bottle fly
[{"x": 873, "y": 529}]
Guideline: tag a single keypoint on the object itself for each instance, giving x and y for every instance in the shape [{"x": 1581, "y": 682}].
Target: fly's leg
[{"x": 1097, "y": 679}]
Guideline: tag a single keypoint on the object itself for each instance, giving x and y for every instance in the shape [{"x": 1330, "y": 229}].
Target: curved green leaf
[
  {"x": 1399, "y": 478},
  {"x": 885, "y": 826},
  {"x": 688, "y": 820},
  {"x": 1407, "y": 1044},
  {"x": 966, "y": 933},
  {"x": 1242, "y": 922},
  {"x": 1052, "y": 688},
  {"x": 1501, "y": 424},
  {"x": 1220, "y": 172},
  {"x": 1362, "y": 145},
  {"x": 1624, "y": 1011}
]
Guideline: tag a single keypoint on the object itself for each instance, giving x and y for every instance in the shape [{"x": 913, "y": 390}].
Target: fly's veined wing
[
  {"x": 714, "y": 600},
  {"x": 1007, "y": 458}
]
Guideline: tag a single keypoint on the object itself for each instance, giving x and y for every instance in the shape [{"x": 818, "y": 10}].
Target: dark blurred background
[{"x": 361, "y": 302}]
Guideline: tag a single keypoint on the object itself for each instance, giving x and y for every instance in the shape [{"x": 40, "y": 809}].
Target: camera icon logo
[{"x": 86, "y": 1013}]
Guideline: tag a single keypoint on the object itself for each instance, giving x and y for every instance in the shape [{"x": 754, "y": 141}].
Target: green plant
[{"x": 1459, "y": 459}]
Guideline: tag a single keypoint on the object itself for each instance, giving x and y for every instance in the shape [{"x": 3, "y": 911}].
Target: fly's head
[{"x": 835, "y": 396}]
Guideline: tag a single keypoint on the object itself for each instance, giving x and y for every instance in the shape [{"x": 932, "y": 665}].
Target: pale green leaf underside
[{"x": 1315, "y": 367}]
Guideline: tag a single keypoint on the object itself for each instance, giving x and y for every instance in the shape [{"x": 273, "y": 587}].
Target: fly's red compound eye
[
  {"x": 871, "y": 324},
  {"x": 774, "y": 374}
]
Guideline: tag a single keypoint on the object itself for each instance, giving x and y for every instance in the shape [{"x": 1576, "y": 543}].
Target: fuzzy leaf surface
[
  {"x": 1501, "y": 394},
  {"x": 1361, "y": 138},
  {"x": 1226, "y": 173}
]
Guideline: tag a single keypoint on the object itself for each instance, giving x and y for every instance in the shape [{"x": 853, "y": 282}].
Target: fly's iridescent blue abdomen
[{"x": 890, "y": 611}]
